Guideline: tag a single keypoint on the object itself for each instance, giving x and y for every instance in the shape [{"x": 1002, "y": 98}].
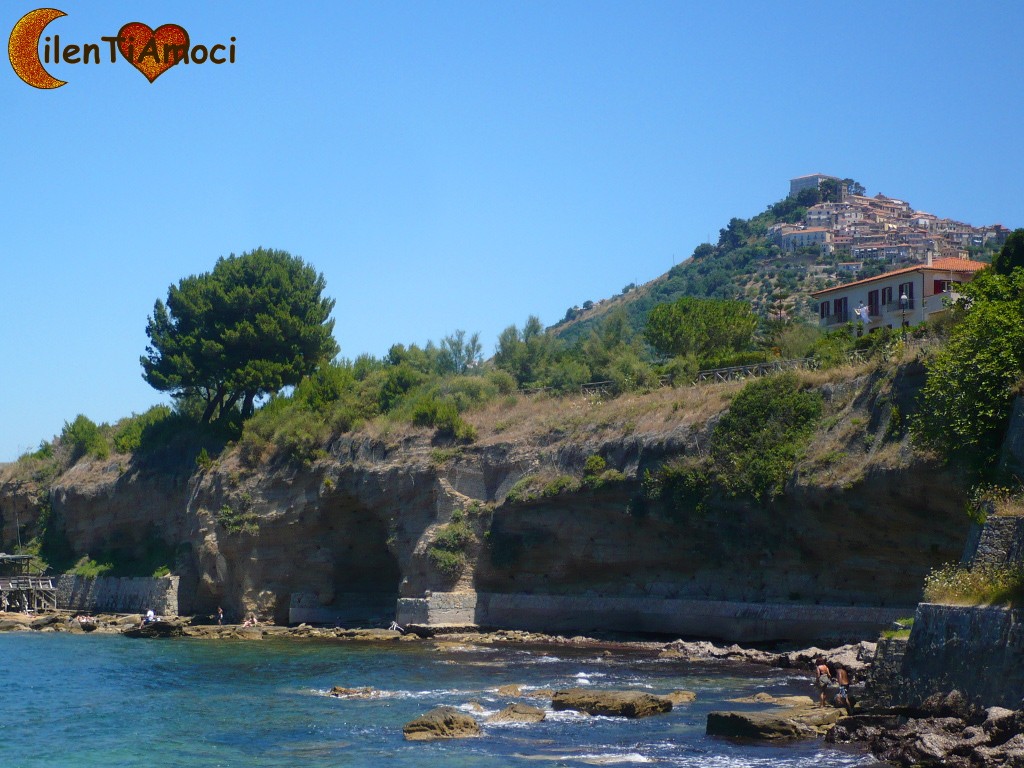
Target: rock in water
[
  {"x": 613, "y": 703},
  {"x": 772, "y": 726},
  {"x": 681, "y": 697},
  {"x": 365, "y": 692},
  {"x": 441, "y": 723},
  {"x": 158, "y": 628},
  {"x": 518, "y": 713}
]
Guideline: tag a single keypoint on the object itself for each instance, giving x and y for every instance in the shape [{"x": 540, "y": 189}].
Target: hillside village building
[
  {"x": 810, "y": 181},
  {"x": 879, "y": 228},
  {"x": 875, "y": 302}
]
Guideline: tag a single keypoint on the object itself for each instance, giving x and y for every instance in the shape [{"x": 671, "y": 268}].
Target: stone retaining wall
[
  {"x": 998, "y": 542},
  {"x": 977, "y": 650},
  {"x": 118, "y": 595},
  {"x": 885, "y": 684},
  {"x": 712, "y": 619}
]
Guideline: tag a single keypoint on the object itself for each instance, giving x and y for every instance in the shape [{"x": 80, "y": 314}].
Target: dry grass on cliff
[
  {"x": 522, "y": 418},
  {"x": 547, "y": 419}
]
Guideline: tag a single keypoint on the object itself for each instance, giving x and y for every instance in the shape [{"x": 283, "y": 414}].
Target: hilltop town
[
  {"x": 826, "y": 232},
  {"x": 871, "y": 231}
]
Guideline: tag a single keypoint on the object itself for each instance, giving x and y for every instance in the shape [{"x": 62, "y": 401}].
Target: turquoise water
[{"x": 112, "y": 701}]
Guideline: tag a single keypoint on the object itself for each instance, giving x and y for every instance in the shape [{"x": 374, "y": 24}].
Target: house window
[
  {"x": 873, "y": 307},
  {"x": 839, "y": 308},
  {"x": 907, "y": 288},
  {"x": 887, "y": 296},
  {"x": 824, "y": 309},
  {"x": 941, "y": 286}
]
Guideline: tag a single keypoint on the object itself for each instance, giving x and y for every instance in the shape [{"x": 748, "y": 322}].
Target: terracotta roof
[{"x": 939, "y": 265}]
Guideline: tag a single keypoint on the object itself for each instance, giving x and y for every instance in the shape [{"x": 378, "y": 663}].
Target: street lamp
[{"x": 904, "y": 301}]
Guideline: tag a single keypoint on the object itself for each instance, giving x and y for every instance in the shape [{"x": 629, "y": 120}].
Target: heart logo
[{"x": 153, "y": 52}]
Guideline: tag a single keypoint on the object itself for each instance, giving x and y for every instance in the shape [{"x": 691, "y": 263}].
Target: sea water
[{"x": 111, "y": 701}]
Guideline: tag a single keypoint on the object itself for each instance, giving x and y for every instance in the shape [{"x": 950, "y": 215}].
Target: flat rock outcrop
[
  {"x": 518, "y": 713},
  {"x": 441, "y": 723},
  {"x": 161, "y": 628},
  {"x": 611, "y": 703},
  {"x": 795, "y": 723}
]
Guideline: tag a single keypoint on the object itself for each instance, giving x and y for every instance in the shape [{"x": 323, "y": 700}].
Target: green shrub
[
  {"x": 567, "y": 375},
  {"x": 129, "y": 432},
  {"x": 242, "y": 520},
  {"x": 682, "y": 370},
  {"x": 982, "y": 585},
  {"x": 680, "y": 486},
  {"x": 428, "y": 411},
  {"x": 607, "y": 477},
  {"x": 91, "y": 569},
  {"x": 447, "y": 553},
  {"x": 593, "y": 466},
  {"x": 833, "y": 349},
  {"x": 203, "y": 460},
  {"x": 450, "y": 564},
  {"x": 903, "y": 632},
  {"x": 755, "y": 445},
  {"x": 503, "y": 381},
  {"x": 285, "y": 428},
  {"x": 439, "y": 457},
  {"x": 522, "y": 490},
  {"x": 559, "y": 485},
  {"x": 83, "y": 437}
]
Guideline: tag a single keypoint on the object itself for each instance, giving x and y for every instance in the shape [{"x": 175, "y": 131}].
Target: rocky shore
[{"x": 946, "y": 730}]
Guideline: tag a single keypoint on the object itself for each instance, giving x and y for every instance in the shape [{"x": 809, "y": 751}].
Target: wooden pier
[{"x": 21, "y": 591}]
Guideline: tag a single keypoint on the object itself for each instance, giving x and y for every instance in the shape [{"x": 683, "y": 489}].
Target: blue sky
[{"x": 459, "y": 164}]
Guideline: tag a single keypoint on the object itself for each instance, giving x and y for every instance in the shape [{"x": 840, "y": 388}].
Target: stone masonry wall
[
  {"x": 976, "y": 650},
  {"x": 118, "y": 595},
  {"x": 720, "y": 619},
  {"x": 885, "y": 686},
  {"x": 999, "y": 542}
]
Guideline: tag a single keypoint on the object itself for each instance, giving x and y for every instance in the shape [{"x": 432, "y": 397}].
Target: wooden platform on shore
[{"x": 21, "y": 591}]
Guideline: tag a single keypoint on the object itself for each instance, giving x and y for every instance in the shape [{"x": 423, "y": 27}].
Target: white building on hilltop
[
  {"x": 811, "y": 181},
  {"x": 875, "y": 302}
]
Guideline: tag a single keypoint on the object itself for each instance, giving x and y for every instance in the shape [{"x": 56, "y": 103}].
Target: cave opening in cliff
[{"x": 365, "y": 573}]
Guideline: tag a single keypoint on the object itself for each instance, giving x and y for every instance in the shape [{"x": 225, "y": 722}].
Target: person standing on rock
[
  {"x": 843, "y": 697},
  {"x": 822, "y": 679},
  {"x": 220, "y": 615}
]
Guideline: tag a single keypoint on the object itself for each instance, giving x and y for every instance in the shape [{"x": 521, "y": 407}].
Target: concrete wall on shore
[
  {"x": 976, "y": 650},
  {"x": 118, "y": 595},
  {"x": 712, "y": 619}
]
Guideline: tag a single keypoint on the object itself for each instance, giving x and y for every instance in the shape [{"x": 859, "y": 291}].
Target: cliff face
[{"x": 861, "y": 522}]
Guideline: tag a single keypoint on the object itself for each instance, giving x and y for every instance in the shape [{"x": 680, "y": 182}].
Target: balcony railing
[
  {"x": 897, "y": 306},
  {"x": 837, "y": 318}
]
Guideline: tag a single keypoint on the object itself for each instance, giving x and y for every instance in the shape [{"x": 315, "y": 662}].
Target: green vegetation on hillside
[
  {"x": 744, "y": 265},
  {"x": 982, "y": 585},
  {"x": 754, "y": 448},
  {"x": 973, "y": 380}
]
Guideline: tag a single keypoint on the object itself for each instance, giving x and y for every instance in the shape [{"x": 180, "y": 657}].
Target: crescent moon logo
[{"x": 23, "y": 48}]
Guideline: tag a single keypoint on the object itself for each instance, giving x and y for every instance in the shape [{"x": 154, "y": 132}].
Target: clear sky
[{"x": 456, "y": 165}]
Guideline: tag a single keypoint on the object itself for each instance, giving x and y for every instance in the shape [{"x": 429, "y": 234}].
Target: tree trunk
[{"x": 211, "y": 406}]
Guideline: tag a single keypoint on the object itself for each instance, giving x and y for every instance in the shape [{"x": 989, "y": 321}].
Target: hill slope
[{"x": 760, "y": 260}]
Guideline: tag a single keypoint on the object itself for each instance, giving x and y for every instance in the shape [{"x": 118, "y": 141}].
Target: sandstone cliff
[{"x": 864, "y": 516}]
